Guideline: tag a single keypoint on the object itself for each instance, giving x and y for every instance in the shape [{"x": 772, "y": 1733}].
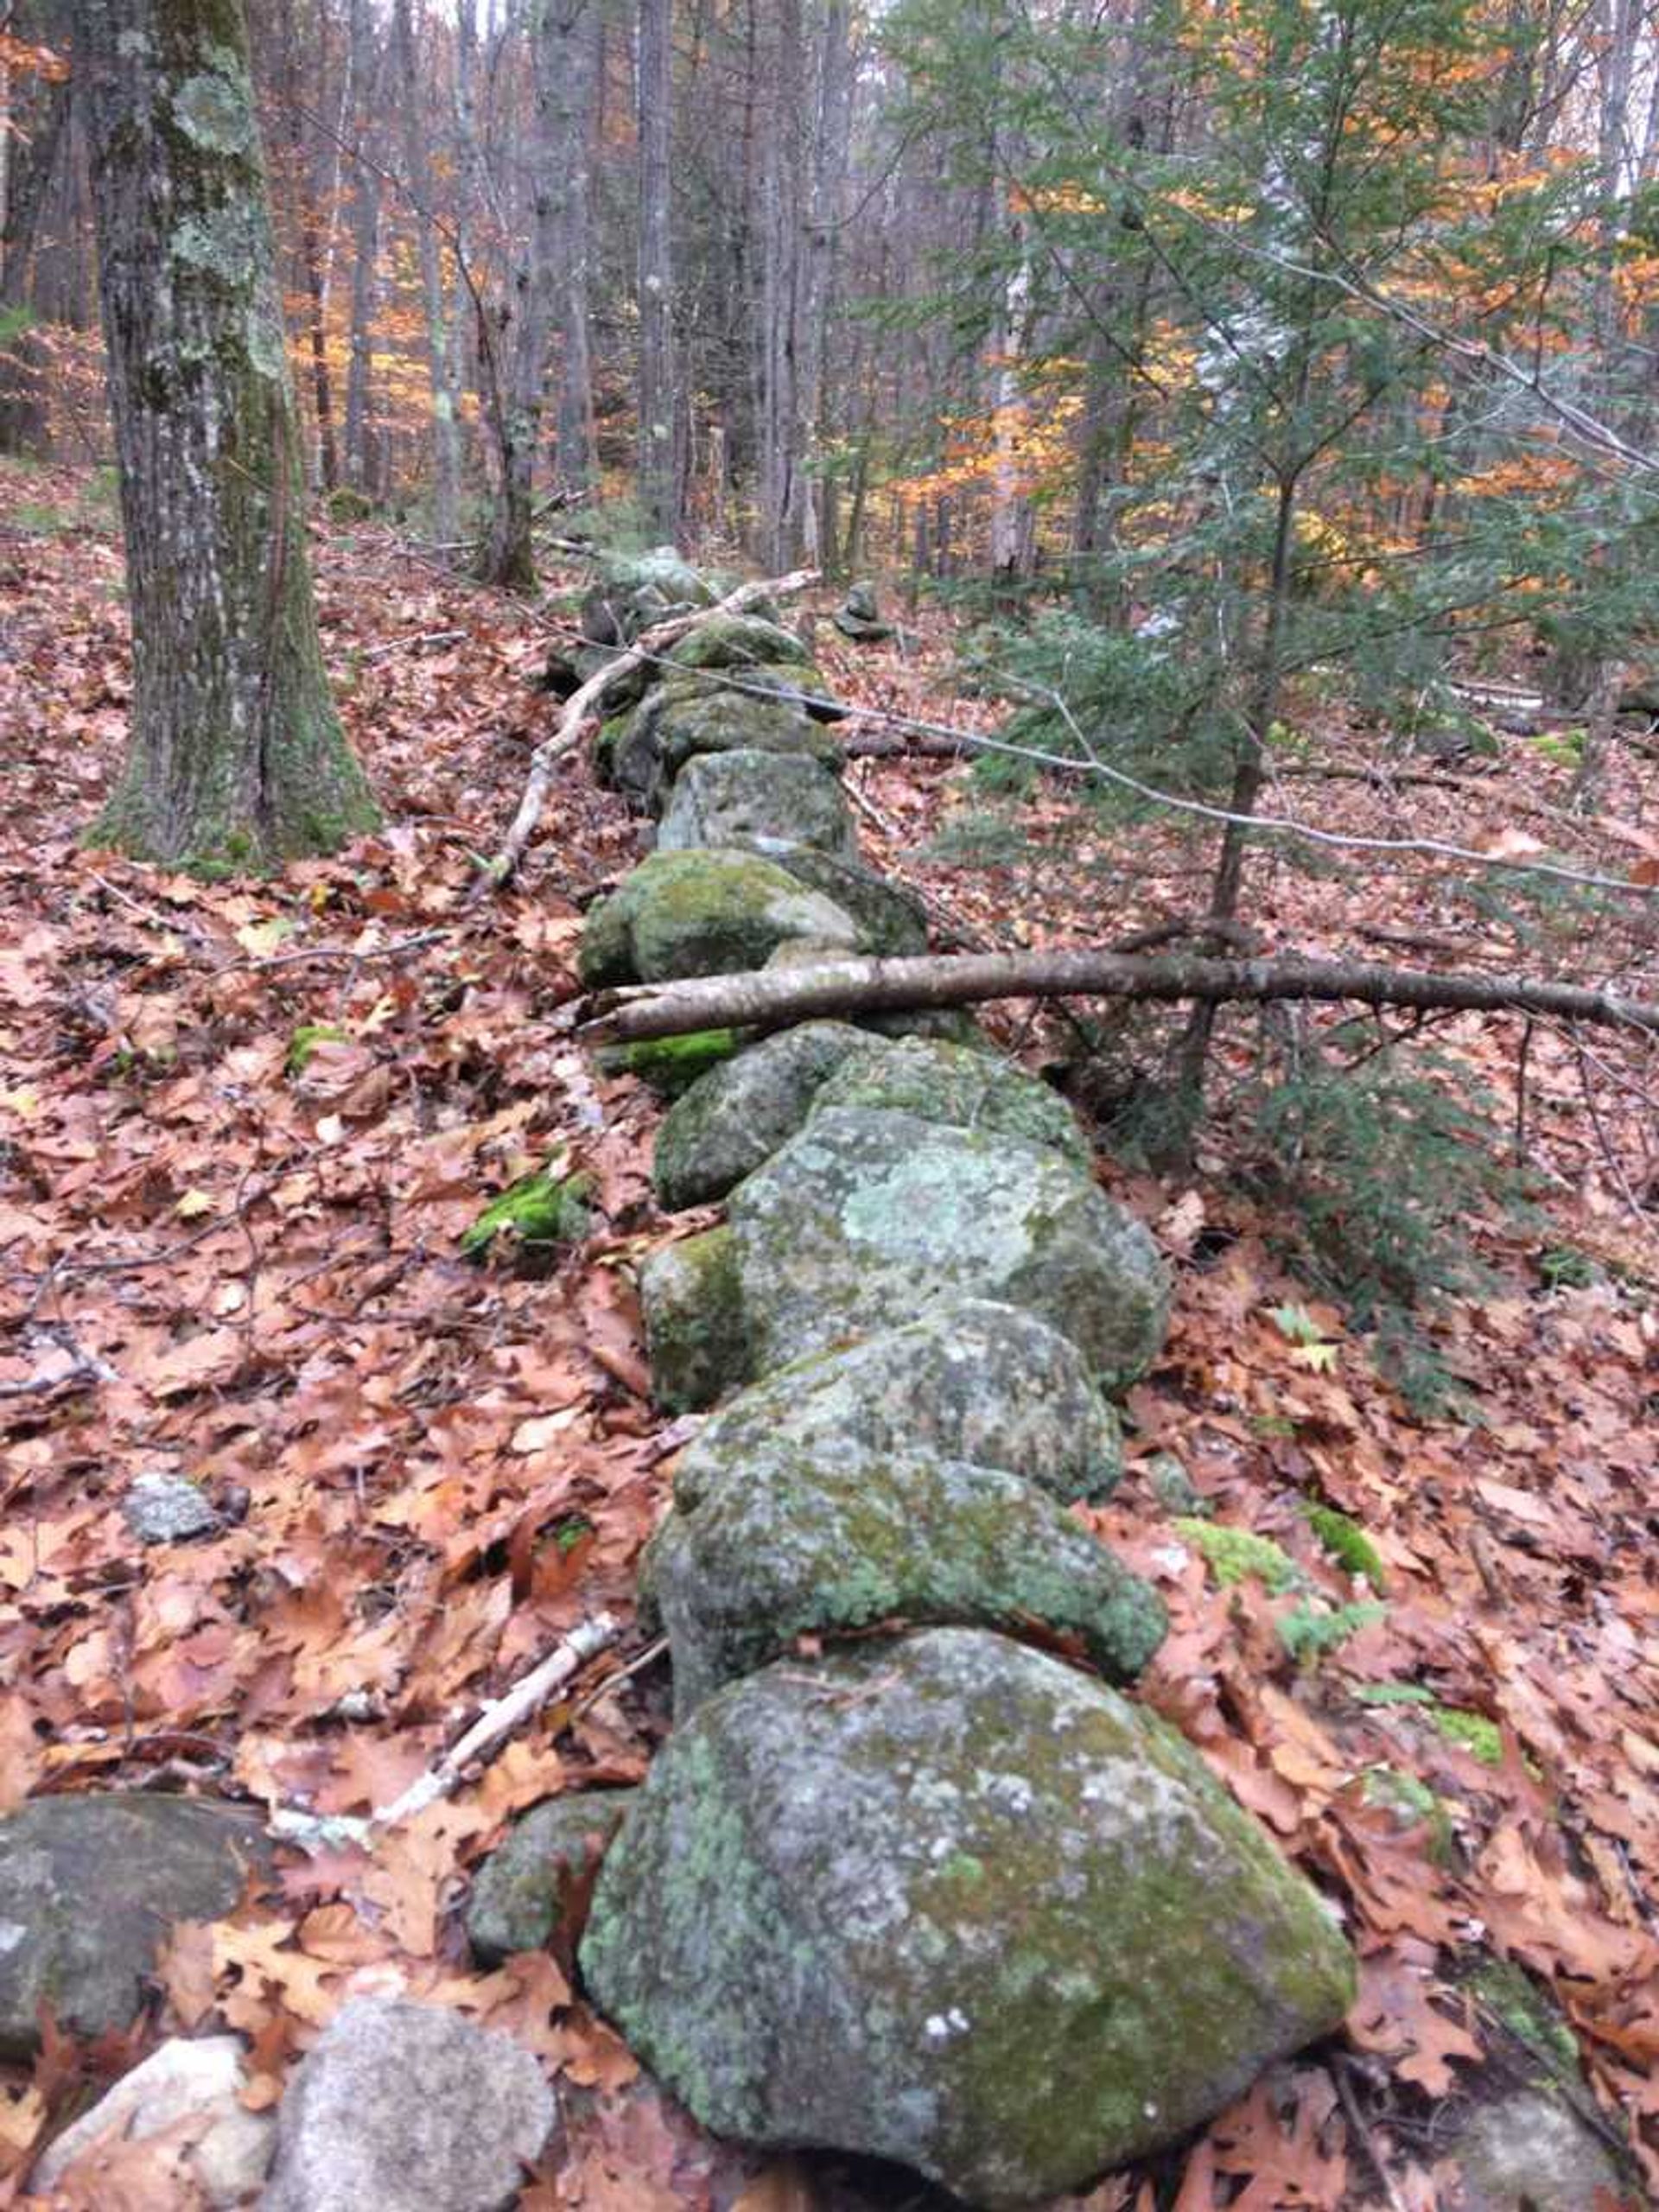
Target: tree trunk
[
  {"x": 659, "y": 475},
  {"x": 236, "y": 760},
  {"x": 772, "y": 998},
  {"x": 441, "y": 368},
  {"x": 576, "y": 464},
  {"x": 40, "y": 109},
  {"x": 360, "y": 473},
  {"x": 311, "y": 257}
]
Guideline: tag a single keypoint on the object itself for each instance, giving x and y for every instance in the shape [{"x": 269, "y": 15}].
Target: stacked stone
[{"x": 900, "y": 1883}]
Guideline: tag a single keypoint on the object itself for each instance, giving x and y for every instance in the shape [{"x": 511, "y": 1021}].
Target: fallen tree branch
[
  {"x": 586, "y": 703},
  {"x": 770, "y": 999}
]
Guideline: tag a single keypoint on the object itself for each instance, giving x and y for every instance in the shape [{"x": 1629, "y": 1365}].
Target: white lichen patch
[
  {"x": 214, "y": 111},
  {"x": 220, "y": 243}
]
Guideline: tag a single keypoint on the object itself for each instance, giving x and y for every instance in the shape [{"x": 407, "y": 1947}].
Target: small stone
[
  {"x": 228, "y": 2149},
  {"x": 518, "y": 1892},
  {"x": 168, "y": 1509},
  {"x": 402, "y": 2108},
  {"x": 83, "y": 1945},
  {"x": 1532, "y": 2153},
  {"x": 1174, "y": 1488}
]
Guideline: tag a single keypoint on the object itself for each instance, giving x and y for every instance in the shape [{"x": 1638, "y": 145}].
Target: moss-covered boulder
[
  {"x": 891, "y": 921},
  {"x": 865, "y": 1220},
  {"x": 738, "y": 641},
  {"x": 956, "y": 1083},
  {"x": 766, "y": 801},
  {"x": 90, "y": 1887},
  {"x": 688, "y": 715},
  {"x": 733, "y": 1119},
  {"x": 519, "y": 1893},
  {"x": 534, "y": 1220},
  {"x": 970, "y": 1381},
  {"x": 705, "y": 912},
  {"x": 827, "y": 1541},
  {"x": 696, "y": 1330},
  {"x": 952, "y": 1902},
  {"x": 635, "y": 592}
]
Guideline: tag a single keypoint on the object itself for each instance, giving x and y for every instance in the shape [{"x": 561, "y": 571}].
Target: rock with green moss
[
  {"x": 891, "y": 921},
  {"x": 706, "y": 913},
  {"x": 671, "y": 1065},
  {"x": 970, "y": 1381},
  {"x": 696, "y": 1329},
  {"x": 519, "y": 1895},
  {"x": 533, "y": 1220},
  {"x": 688, "y": 716},
  {"x": 636, "y": 592},
  {"x": 865, "y": 1220},
  {"x": 737, "y": 641},
  {"x": 949, "y": 1902},
  {"x": 958, "y": 1085},
  {"x": 767, "y": 801},
  {"x": 732, "y": 1119},
  {"x": 826, "y": 1541}
]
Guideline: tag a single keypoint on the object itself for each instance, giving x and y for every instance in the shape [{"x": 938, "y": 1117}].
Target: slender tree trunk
[
  {"x": 576, "y": 463},
  {"x": 659, "y": 475},
  {"x": 41, "y": 113},
  {"x": 368, "y": 75},
  {"x": 236, "y": 760},
  {"x": 441, "y": 366},
  {"x": 311, "y": 255}
]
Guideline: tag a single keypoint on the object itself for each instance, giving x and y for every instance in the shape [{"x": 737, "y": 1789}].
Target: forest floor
[{"x": 229, "y": 1256}]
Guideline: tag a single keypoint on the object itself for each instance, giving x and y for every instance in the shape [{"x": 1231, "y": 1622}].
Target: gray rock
[
  {"x": 1531, "y": 2154},
  {"x": 1166, "y": 1478},
  {"x": 865, "y": 1220},
  {"x": 688, "y": 716},
  {"x": 635, "y": 593},
  {"x": 168, "y": 1509},
  {"x": 891, "y": 921},
  {"x": 731, "y": 1119},
  {"x": 517, "y": 1897},
  {"x": 738, "y": 641},
  {"x": 704, "y": 913},
  {"x": 827, "y": 1542},
  {"x": 81, "y": 1943},
  {"x": 400, "y": 2107},
  {"x": 858, "y": 618},
  {"x": 696, "y": 1333},
  {"x": 200, "y": 2081},
  {"x": 949, "y": 1902},
  {"x": 766, "y": 802},
  {"x": 970, "y": 1381},
  {"x": 960, "y": 1085}
]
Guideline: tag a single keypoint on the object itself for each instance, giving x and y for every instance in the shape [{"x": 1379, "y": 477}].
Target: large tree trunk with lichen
[{"x": 236, "y": 760}]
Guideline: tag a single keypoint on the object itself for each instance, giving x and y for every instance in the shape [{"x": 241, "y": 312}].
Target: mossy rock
[
  {"x": 825, "y": 1542},
  {"x": 697, "y": 1330},
  {"x": 891, "y": 921},
  {"x": 1030, "y": 1936},
  {"x": 634, "y": 592},
  {"x": 732, "y": 1119},
  {"x": 518, "y": 1894},
  {"x": 955, "y": 1084},
  {"x": 671, "y": 1065},
  {"x": 764, "y": 802},
  {"x": 970, "y": 1381},
  {"x": 865, "y": 1220},
  {"x": 686, "y": 716},
  {"x": 738, "y": 641},
  {"x": 707, "y": 912},
  {"x": 533, "y": 1220}
]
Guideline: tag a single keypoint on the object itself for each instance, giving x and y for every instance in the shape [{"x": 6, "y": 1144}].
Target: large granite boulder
[
  {"x": 634, "y": 593},
  {"x": 405, "y": 2107},
  {"x": 738, "y": 641},
  {"x": 705, "y": 912},
  {"x": 90, "y": 1887},
  {"x": 960, "y": 1085},
  {"x": 949, "y": 1902},
  {"x": 865, "y": 1220},
  {"x": 826, "y": 1541},
  {"x": 689, "y": 714},
  {"x": 766, "y": 801},
  {"x": 520, "y": 1893},
  {"x": 731, "y": 1119},
  {"x": 969, "y": 1380}
]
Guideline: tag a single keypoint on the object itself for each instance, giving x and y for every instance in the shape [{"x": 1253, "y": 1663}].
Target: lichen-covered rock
[
  {"x": 737, "y": 641},
  {"x": 956, "y": 1083},
  {"x": 865, "y": 1220},
  {"x": 518, "y": 1893},
  {"x": 970, "y": 1381},
  {"x": 891, "y": 921},
  {"x": 169, "y": 1509},
  {"x": 633, "y": 594},
  {"x": 949, "y": 1901},
  {"x": 408, "y": 2108},
  {"x": 704, "y": 913},
  {"x": 733, "y": 1119},
  {"x": 696, "y": 1330},
  {"x": 764, "y": 801},
  {"x": 824, "y": 1541},
  {"x": 81, "y": 1942},
  {"x": 689, "y": 714}
]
